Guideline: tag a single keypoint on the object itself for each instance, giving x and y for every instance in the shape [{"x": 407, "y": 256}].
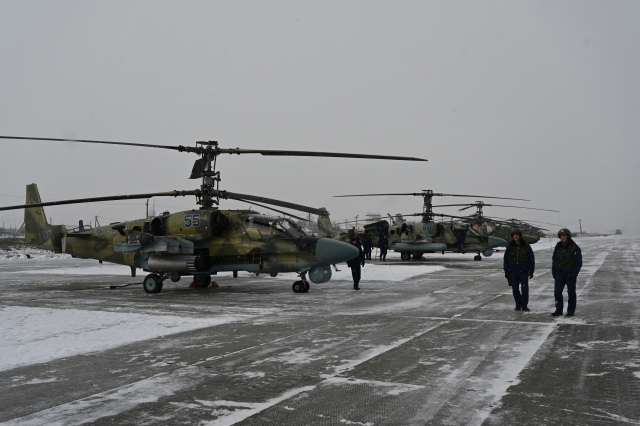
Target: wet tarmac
[{"x": 444, "y": 347}]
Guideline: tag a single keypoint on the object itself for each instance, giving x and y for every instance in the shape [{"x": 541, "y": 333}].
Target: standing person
[
  {"x": 567, "y": 261},
  {"x": 519, "y": 264},
  {"x": 460, "y": 237},
  {"x": 367, "y": 243},
  {"x": 355, "y": 264},
  {"x": 383, "y": 245}
]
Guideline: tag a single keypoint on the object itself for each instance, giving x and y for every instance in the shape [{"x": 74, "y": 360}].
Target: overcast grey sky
[{"x": 536, "y": 100}]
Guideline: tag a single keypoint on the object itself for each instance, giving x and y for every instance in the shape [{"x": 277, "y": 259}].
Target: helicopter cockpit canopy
[{"x": 275, "y": 226}]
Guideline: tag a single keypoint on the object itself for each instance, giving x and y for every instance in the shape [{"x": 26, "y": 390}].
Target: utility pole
[
  {"x": 580, "y": 220},
  {"x": 147, "y": 208}
]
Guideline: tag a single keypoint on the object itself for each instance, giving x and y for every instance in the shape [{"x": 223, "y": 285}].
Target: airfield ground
[{"x": 419, "y": 344}]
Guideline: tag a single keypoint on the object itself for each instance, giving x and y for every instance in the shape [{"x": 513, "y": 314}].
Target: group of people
[
  {"x": 364, "y": 254},
  {"x": 519, "y": 265}
]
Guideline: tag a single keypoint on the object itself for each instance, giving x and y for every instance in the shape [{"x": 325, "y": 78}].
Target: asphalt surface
[{"x": 442, "y": 348}]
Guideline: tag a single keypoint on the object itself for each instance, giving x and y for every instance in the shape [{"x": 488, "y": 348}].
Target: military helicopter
[
  {"x": 495, "y": 227},
  {"x": 429, "y": 236},
  {"x": 198, "y": 242}
]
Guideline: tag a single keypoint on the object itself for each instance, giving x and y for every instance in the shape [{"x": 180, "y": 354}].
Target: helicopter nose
[
  {"x": 530, "y": 239},
  {"x": 329, "y": 251},
  {"x": 496, "y": 242}
]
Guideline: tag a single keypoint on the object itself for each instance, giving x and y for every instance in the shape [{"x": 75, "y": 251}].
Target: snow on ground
[
  {"x": 29, "y": 253},
  {"x": 104, "y": 269},
  {"x": 377, "y": 272},
  {"x": 34, "y": 335}
]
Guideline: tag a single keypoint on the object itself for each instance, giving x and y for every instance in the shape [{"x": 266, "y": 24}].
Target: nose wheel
[
  {"x": 152, "y": 283},
  {"x": 301, "y": 286}
]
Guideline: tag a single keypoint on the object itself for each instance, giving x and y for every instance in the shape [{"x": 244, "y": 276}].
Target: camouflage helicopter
[
  {"x": 496, "y": 227},
  {"x": 198, "y": 242},
  {"x": 429, "y": 236}
]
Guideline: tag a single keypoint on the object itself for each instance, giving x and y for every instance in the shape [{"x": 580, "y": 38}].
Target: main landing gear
[
  {"x": 202, "y": 280},
  {"x": 301, "y": 286},
  {"x": 477, "y": 257}
]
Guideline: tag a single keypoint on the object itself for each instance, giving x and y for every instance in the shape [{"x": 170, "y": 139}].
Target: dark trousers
[
  {"x": 367, "y": 254},
  {"x": 561, "y": 281},
  {"x": 355, "y": 272},
  {"x": 383, "y": 255},
  {"x": 520, "y": 279}
]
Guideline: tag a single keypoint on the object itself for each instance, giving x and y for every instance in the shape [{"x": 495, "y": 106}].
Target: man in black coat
[
  {"x": 383, "y": 245},
  {"x": 355, "y": 265},
  {"x": 519, "y": 264},
  {"x": 567, "y": 262},
  {"x": 366, "y": 246}
]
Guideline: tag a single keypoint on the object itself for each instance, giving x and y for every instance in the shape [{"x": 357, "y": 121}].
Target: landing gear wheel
[
  {"x": 298, "y": 287},
  {"x": 202, "y": 281},
  {"x": 477, "y": 257},
  {"x": 152, "y": 283},
  {"x": 306, "y": 287},
  {"x": 405, "y": 255},
  {"x": 417, "y": 256}
]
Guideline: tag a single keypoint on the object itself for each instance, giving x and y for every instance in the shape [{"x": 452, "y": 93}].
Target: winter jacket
[
  {"x": 567, "y": 259},
  {"x": 358, "y": 260},
  {"x": 519, "y": 258}
]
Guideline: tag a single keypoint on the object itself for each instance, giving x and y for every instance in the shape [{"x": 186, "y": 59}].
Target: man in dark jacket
[
  {"x": 355, "y": 264},
  {"x": 366, "y": 246},
  {"x": 461, "y": 235},
  {"x": 519, "y": 264},
  {"x": 383, "y": 245},
  {"x": 567, "y": 261}
]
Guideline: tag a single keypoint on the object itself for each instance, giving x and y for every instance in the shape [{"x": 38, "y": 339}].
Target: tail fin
[
  {"x": 325, "y": 230},
  {"x": 36, "y": 229}
]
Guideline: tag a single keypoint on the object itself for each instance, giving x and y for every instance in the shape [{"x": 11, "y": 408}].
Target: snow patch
[
  {"x": 393, "y": 388},
  {"x": 34, "y": 335},
  {"x": 105, "y": 269},
  {"x": 246, "y": 409},
  {"x": 375, "y": 273}
]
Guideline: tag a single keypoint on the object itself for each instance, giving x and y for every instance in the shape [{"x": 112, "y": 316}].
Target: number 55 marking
[{"x": 192, "y": 219}]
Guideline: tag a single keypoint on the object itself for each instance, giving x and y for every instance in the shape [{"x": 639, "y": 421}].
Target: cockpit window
[{"x": 274, "y": 226}]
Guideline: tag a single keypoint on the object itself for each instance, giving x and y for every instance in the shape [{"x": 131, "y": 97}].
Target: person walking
[
  {"x": 567, "y": 261},
  {"x": 383, "y": 245},
  {"x": 366, "y": 246},
  {"x": 355, "y": 265},
  {"x": 519, "y": 265}
]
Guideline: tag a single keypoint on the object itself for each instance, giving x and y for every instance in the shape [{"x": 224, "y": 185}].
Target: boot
[{"x": 556, "y": 314}]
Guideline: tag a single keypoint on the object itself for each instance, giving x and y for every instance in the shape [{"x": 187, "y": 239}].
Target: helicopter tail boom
[
  {"x": 325, "y": 229},
  {"x": 36, "y": 228}
]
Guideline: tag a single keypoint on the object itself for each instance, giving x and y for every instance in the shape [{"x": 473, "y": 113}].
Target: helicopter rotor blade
[
  {"x": 433, "y": 194},
  {"x": 253, "y": 198},
  {"x": 273, "y": 152},
  {"x": 456, "y": 205},
  {"x": 287, "y": 153},
  {"x": 479, "y": 196},
  {"x": 373, "y": 195},
  {"x": 517, "y": 207},
  {"x": 275, "y": 210},
  {"x": 99, "y": 199},
  {"x": 464, "y": 208},
  {"x": 177, "y": 148}
]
